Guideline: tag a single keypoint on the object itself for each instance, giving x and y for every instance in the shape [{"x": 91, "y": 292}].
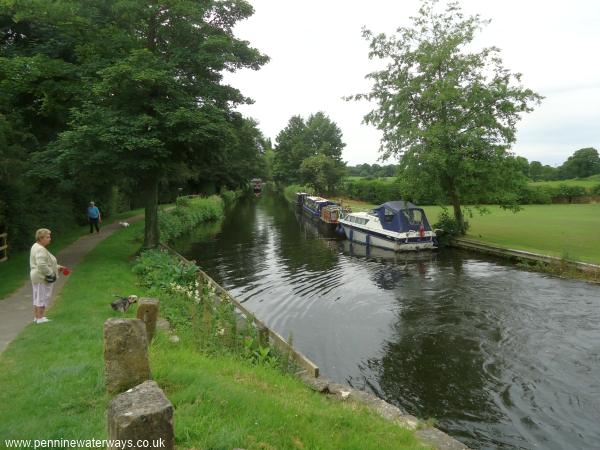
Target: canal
[{"x": 497, "y": 356}]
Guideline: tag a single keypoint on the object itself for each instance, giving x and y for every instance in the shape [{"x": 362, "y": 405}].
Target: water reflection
[{"x": 501, "y": 358}]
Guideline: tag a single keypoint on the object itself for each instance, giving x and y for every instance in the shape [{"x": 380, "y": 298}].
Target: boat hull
[{"x": 397, "y": 244}]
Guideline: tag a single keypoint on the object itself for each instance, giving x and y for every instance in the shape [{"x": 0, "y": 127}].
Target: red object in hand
[{"x": 66, "y": 271}]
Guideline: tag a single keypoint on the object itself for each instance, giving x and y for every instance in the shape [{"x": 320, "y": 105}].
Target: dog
[
  {"x": 123, "y": 303},
  {"x": 124, "y": 224}
]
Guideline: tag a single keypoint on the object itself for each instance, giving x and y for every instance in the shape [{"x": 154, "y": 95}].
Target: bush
[
  {"x": 595, "y": 190},
  {"x": 449, "y": 227},
  {"x": 536, "y": 195},
  {"x": 372, "y": 191},
  {"x": 230, "y": 197},
  {"x": 188, "y": 213}
]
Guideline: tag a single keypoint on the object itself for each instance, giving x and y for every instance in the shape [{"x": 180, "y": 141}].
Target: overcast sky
[{"x": 318, "y": 56}]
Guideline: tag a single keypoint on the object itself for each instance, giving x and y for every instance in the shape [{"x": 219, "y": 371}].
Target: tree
[
  {"x": 291, "y": 149},
  {"x": 321, "y": 172},
  {"x": 299, "y": 141},
  {"x": 583, "y": 163},
  {"x": 159, "y": 101},
  {"x": 446, "y": 111},
  {"x": 535, "y": 170}
]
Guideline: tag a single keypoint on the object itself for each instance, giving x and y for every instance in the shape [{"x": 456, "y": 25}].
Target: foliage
[
  {"x": 449, "y": 226},
  {"x": 96, "y": 93},
  {"x": 187, "y": 213},
  {"x": 373, "y": 191},
  {"x": 321, "y": 172},
  {"x": 193, "y": 307},
  {"x": 319, "y": 139},
  {"x": 289, "y": 192},
  {"x": 448, "y": 113},
  {"x": 583, "y": 163},
  {"x": 373, "y": 171},
  {"x": 595, "y": 190}
]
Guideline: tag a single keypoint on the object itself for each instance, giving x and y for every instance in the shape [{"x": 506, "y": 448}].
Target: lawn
[
  {"x": 52, "y": 380},
  {"x": 569, "y": 231}
]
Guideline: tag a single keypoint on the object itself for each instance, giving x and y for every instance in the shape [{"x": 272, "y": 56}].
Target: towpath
[{"x": 16, "y": 311}]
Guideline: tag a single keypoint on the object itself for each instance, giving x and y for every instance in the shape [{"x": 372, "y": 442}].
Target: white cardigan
[{"x": 42, "y": 263}]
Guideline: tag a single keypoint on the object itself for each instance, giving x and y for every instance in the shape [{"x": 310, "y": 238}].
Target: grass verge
[{"x": 52, "y": 383}]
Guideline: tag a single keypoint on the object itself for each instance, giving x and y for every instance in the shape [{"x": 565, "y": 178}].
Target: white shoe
[{"x": 42, "y": 320}]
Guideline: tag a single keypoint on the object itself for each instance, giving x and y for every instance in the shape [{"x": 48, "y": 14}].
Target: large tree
[
  {"x": 160, "y": 102},
  {"x": 318, "y": 140},
  {"x": 446, "y": 110},
  {"x": 581, "y": 164}
]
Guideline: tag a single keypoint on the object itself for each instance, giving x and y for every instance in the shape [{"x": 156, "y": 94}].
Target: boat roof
[
  {"x": 318, "y": 199},
  {"x": 398, "y": 205}
]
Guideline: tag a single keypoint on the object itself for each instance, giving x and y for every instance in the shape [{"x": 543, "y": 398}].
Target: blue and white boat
[{"x": 398, "y": 225}]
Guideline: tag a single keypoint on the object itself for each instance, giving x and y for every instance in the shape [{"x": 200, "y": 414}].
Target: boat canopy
[{"x": 401, "y": 216}]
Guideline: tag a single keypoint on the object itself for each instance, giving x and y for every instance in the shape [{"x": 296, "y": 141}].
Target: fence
[{"x": 3, "y": 247}]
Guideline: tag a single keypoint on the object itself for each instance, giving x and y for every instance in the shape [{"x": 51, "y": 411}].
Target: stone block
[
  {"x": 147, "y": 312},
  {"x": 125, "y": 354},
  {"x": 143, "y": 417}
]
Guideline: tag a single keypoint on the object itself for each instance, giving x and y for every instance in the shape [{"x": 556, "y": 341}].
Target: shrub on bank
[
  {"x": 188, "y": 212},
  {"x": 196, "y": 311},
  {"x": 449, "y": 227},
  {"x": 289, "y": 192}
]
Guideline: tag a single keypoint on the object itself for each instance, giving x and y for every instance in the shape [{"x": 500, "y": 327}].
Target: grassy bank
[
  {"x": 15, "y": 271},
  {"x": 52, "y": 384}
]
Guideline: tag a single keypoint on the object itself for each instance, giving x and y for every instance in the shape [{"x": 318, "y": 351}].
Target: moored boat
[
  {"x": 397, "y": 225},
  {"x": 257, "y": 185},
  {"x": 326, "y": 211}
]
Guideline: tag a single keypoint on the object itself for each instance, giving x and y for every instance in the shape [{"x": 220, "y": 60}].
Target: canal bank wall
[
  {"x": 310, "y": 375},
  {"x": 545, "y": 263}
]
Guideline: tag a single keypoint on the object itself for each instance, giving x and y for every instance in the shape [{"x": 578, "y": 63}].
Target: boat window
[
  {"x": 414, "y": 217},
  {"x": 388, "y": 215}
]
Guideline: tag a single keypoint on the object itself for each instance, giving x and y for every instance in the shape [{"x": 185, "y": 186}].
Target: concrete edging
[{"x": 513, "y": 254}]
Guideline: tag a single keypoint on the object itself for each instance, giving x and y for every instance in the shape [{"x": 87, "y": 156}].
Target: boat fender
[{"x": 421, "y": 231}]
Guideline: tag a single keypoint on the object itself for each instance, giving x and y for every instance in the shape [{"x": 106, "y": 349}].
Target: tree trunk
[
  {"x": 151, "y": 231},
  {"x": 458, "y": 215}
]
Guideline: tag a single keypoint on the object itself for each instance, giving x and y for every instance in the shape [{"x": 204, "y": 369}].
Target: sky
[{"x": 318, "y": 56}]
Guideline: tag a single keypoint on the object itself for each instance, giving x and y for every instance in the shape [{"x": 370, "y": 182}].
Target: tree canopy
[
  {"x": 310, "y": 153},
  {"x": 127, "y": 89},
  {"x": 447, "y": 111}
]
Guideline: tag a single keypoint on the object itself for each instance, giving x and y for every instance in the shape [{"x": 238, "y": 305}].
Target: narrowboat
[
  {"x": 398, "y": 225},
  {"x": 319, "y": 208},
  {"x": 256, "y": 185}
]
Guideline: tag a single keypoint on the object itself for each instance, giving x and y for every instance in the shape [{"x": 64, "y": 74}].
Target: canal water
[{"x": 497, "y": 356}]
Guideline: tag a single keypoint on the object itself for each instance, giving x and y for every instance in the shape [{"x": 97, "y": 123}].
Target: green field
[
  {"x": 587, "y": 183},
  {"x": 569, "y": 231}
]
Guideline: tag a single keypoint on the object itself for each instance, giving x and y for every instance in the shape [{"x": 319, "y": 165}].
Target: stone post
[
  {"x": 125, "y": 354},
  {"x": 147, "y": 311},
  {"x": 142, "y": 417}
]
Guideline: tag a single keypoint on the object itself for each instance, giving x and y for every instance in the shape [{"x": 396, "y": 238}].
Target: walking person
[
  {"x": 94, "y": 217},
  {"x": 44, "y": 272}
]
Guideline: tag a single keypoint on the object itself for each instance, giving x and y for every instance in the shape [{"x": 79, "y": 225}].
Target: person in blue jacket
[{"x": 94, "y": 217}]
